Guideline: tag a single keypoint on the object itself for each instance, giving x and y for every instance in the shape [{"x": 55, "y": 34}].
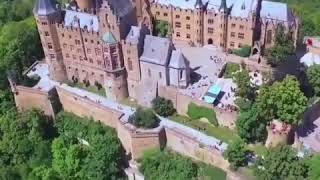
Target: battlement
[{"x": 61, "y": 26}]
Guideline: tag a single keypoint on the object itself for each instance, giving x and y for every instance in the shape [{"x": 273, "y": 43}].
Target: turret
[
  {"x": 224, "y": 24},
  {"x": 223, "y": 6},
  {"x": 47, "y": 15},
  {"x": 198, "y": 22}
]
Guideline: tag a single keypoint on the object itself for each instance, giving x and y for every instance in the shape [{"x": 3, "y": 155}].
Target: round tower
[{"x": 46, "y": 15}]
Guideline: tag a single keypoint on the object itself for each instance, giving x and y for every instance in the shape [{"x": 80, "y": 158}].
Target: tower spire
[
  {"x": 44, "y": 7},
  {"x": 223, "y": 6},
  {"x": 198, "y": 4}
]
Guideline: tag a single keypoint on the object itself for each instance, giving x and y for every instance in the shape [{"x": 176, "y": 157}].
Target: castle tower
[
  {"x": 85, "y": 5},
  {"x": 224, "y": 24},
  {"x": 198, "y": 22},
  {"x": 132, "y": 50},
  {"x": 47, "y": 15}
]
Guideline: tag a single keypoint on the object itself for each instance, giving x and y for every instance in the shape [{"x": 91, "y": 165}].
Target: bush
[
  {"x": 161, "y": 28},
  {"x": 230, "y": 69},
  {"x": 162, "y": 106},
  {"x": 236, "y": 154},
  {"x": 197, "y": 112},
  {"x": 144, "y": 118},
  {"x": 245, "y": 51},
  {"x": 157, "y": 165}
]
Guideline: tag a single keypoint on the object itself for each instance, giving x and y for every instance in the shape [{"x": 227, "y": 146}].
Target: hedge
[{"x": 196, "y": 112}]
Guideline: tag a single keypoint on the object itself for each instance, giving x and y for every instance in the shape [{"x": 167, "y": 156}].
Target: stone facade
[{"x": 227, "y": 25}]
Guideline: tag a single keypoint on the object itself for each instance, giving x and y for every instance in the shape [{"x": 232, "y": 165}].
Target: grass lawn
[
  {"x": 93, "y": 89},
  {"x": 225, "y": 134},
  {"x": 231, "y": 68},
  {"x": 207, "y": 172}
]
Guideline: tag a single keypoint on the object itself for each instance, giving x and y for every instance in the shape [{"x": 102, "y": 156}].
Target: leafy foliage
[
  {"x": 144, "y": 118},
  {"x": 283, "y": 100},
  {"x": 251, "y": 126},
  {"x": 244, "y": 51},
  {"x": 196, "y": 112},
  {"x": 244, "y": 89},
  {"x": 314, "y": 171},
  {"x": 162, "y": 28},
  {"x": 282, "y": 49},
  {"x": 281, "y": 162},
  {"x": 162, "y": 106},
  {"x": 157, "y": 165},
  {"x": 313, "y": 75},
  {"x": 236, "y": 154},
  {"x": 230, "y": 70}
]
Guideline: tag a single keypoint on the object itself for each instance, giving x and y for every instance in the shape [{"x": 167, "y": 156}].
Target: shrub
[
  {"x": 230, "y": 69},
  {"x": 245, "y": 51},
  {"x": 161, "y": 28},
  {"x": 144, "y": 118},
  {"x": 162, "y": 106},
  {"x": 197, "y": 112}
]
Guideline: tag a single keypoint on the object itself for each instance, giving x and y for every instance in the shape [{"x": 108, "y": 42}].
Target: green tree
[
  {"x": 162, "y": 28},
  {"x": 283, "y": 47},
  {"x": 236, "y": 154},
  {"x": 162, "y": 106},
  {"x": 250, "y": 126},
  {"x": 244, "y": 51},
  {"x": 244, "y": 89},
  {"x": 313, "y": 75},
  {"x": 144, "y": 118},
  {"x": 283, "y": 100},
  {"x": 157, "y": 165},
  {"x": 314, "y": 171},
  {"x": 281, "y": 162}
]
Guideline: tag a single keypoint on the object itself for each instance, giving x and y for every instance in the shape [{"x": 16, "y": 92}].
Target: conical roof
[
  {"x": 177, "y": 60},
  {"x": 44, "y": 7},
  {"x": 109, "y": 38},
  {"x": 223, "y": 6}
]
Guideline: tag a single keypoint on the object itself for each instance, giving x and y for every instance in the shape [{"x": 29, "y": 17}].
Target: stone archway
[
  {"x": 255, "y": 51},
  {"x": 210, "y": 41}
]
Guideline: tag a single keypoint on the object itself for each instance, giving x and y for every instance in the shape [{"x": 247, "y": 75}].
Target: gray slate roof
[
  {"x": 89, "y": 21},
  {"x": 134, "y": 35},
  {"x": 121, "y": 7},
  {"x": 44, "y": 7},
  {"x": 156, "y": 50},
  {"x": 177, "y": 60}
]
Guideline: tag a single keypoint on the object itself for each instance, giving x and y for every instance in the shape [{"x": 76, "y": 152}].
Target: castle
[{"x": 106, "y": 43}]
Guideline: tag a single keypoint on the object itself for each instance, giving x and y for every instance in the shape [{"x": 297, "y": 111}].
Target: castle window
[
  {"x": 85, "y": 40},
  {"x": 178, "y": 34},
  {"x": 210, "y": 21},
  {"x": 77, "y": 41},
  {"x": 44, "y": 23},
  {"x": 158, "y": 13},
  {"x": 188, "y": 26},
  {"x": 188, "y": 18},
  {"x": 69, "y": 36},
  {"x": 89, "y": 51},
  {"x": 71, "y": 47},
  {"x": 98, "y": 52},
  {"x": 233, "y": 25},
  {"x": 177, "y": 16},
  {"x": 52, "y": 56},
  {"x": 240, "y": 35},
  {"x": 92, "y": 41},
  {"x": 165, "y": 14},
  {"x": 98, "y": 42},
  {"x": 81, "y": 58},
  {"x": 67, "y": 55},
  {"x": 181, "y": 75},
  {"x": 160, "y": 75},
  {"x": 46, "y": 33},
  {"x": 188, "y": 36},
  {"x": 50, "y": 46},
  {"x": 62, "y": 35},
  {"x": 233, "y": 34},
  {"x": 231, "y": 44},
  {"x": 210, "y": 30},
  {"x": 178, "y": 25},
  {"x": 239, "y": 45},
  {"x": 241, "y": 27},
  {"x": 64, "y": 45},
  {"x": 129, "y": 64},
  {"x": 269, "y": 36},
  {"x": 149, "y": 72}
]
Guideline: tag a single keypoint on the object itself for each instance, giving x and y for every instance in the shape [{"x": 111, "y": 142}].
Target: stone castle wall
[{"x": 27, "y": 98}]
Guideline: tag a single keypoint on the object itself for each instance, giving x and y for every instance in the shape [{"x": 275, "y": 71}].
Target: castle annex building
[
  {"x": 228, "y": 24},
  {"x": 107, "y": 43}
]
